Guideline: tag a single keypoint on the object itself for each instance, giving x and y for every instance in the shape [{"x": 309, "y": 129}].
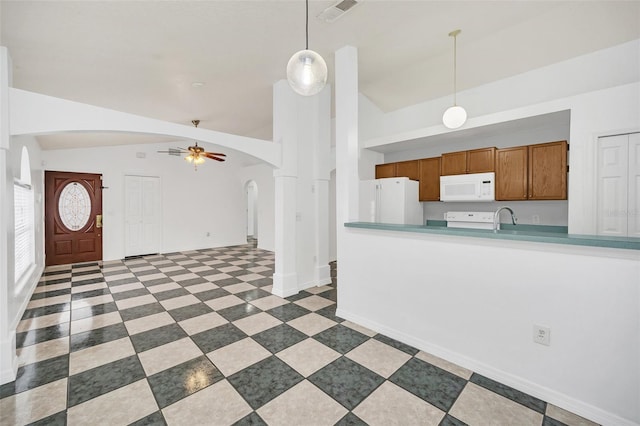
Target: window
[{"x": 23, "y": 219}]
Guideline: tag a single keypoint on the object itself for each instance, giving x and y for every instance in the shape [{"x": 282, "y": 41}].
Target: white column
[
  {"x": 322, "y": 171},
  {"x": 8, "y": 360},
  {"x": 347, "y": 175},
  {"x": 285, "y": 278}
]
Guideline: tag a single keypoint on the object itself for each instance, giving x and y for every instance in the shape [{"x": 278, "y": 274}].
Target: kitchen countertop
[{"x": 534, "y": 233}]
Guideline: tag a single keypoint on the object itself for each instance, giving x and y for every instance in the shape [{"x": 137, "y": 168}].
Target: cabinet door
[
  {"x": 430, "y": 179},
  {"x": 410, "y": 169},
  {"x": 454, "y": 163},
  {"x": 548, "y": 171},
  {"x": 481, "y": 160},
  {"x": 385, "y": 170},
  {"x": 612, "y": 185},
  {"x": 633, "y": 203},
  {"x": 511, "y": 173}
]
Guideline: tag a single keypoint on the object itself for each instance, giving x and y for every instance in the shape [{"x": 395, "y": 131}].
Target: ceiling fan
[{"x": 195, "y": 154}]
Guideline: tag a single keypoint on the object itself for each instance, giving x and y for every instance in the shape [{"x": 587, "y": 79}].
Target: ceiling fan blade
[
  {"x": 211, "y": 156},
  {"x": 217, "y": 153}
]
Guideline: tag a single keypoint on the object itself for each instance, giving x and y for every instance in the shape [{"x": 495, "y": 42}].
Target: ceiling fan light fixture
[
  {"x": 455, "y": 116},
  {"x": 307, "y": 70}
]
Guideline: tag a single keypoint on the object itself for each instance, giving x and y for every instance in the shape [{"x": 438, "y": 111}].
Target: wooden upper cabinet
[
  {"x": 511, "y": 173},
  {"x": 430, "y": 179},
  {"x": 454, "y": 163},
  {"x": 548, "y": 171},
  {"x": 481, "y": 160},
  {"x": 410, "y": 169},
  {"x": 385, "y": 170},
  {"x": 474, "y": 161}
]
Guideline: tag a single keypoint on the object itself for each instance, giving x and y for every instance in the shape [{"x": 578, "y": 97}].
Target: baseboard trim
[{"x": 551, "y": 396}]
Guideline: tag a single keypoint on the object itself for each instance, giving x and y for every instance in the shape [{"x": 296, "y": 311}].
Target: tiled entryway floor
[{"x": 196, "y": 338}]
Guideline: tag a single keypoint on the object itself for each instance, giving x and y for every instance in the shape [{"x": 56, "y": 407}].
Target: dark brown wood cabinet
[
  {"x": 430, "y": 179},
  {"x": 473, "y": 161},
  {"x": 410, "y": 169},
  {"x": 534, "y": 172},
  {"x": 511, "y": 173},
  {"x": 385, "y": 170},
  {"x": 548, "y": 171},
  {"x": 454, "y": 163}
]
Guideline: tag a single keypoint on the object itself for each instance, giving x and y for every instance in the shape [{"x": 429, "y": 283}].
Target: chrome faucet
[{"x": 496, "y": 217}]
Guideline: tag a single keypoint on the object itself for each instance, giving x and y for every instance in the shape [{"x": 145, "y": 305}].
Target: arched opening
[{"x": 251, "y": 191}]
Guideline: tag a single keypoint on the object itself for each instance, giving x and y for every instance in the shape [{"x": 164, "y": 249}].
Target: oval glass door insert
[{"x": 74, "y": 206}]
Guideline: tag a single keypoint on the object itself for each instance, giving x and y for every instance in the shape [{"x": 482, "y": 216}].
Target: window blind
[{"x": 24, "y": 232}]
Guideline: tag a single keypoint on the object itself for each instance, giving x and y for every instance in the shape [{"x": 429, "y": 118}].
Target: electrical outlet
[{"x": 542, "y": 335}]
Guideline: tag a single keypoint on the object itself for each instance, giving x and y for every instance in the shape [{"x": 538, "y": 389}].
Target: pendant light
[
  {"x": 306, "y": 70},
  {"x": 454, "y": 116}
]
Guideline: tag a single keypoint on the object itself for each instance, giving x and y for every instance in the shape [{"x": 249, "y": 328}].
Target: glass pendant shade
[
  {"x": 307, "y": 72},
  {"x": 454, "y": 117}
]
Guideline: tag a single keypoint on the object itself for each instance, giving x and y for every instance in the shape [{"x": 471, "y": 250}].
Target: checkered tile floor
[{"x": 197, "y": 338}]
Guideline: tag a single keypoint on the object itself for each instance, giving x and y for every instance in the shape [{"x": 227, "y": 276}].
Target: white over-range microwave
[{"x": 468, "y": 187}]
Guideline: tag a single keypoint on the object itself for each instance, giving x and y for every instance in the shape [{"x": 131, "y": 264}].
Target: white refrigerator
[{"x": 390, "y": 200}]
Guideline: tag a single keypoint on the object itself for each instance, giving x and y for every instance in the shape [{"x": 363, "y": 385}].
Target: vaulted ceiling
[{"x": 143, "y": 57}]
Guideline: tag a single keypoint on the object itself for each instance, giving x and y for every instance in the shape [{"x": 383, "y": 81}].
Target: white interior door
[
  {"x": 612, "y": 185},
  {"x": 142, "y": 215}
]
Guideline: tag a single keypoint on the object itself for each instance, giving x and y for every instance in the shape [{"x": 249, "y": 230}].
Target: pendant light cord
[
  {"x": 307, "y": 25},
  {"x": 455, "y": 73}
]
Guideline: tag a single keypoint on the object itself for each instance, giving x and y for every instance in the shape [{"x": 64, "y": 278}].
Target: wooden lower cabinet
[
  {"x": 511, "y": 173},
  {"x": 430, "y": 179}
]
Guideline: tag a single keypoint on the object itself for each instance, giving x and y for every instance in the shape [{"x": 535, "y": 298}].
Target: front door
[{"x": 73, "y": 217}]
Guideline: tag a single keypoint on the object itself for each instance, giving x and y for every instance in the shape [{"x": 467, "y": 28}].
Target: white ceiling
[{"x": 142, "y": 57}]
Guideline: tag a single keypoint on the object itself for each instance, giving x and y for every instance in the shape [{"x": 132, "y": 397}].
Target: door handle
[{"x": 98, "y": 221}]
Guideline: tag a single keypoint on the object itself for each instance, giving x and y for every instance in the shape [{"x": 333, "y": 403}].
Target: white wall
[
  {"x": 474, "y": 302},
  {"x": 262, "y": 175},
  {"x": 211, "y": 199}
]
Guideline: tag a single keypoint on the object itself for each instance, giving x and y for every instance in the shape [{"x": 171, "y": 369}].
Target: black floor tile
[
  {"x": 52, "y": 293},
  {"x": 91, "y": 311},
  {"x": 130, "y": 293},
  {"x": 508, "y": 392},
  {"x": 346, "y": 381},
  {"x": 88, "y": 294},
  {"x": 236, "y": 312},
  {"x": 549, "y": 421},
  {"x": 449, "y": 420},
  {"x": 177, "y": 382},
  {"x": 252, "y": 419},
  {"x": 141, "y": 311},
  {"x": 37, "y": 374},
  {"x": 288, "y": 312},
  {"x": 265, "y": 380},
  {"x": 157, "y": 337},
  {"x": 398, "y": 345},
  {"x": 190, "y": 311},
  {"x": 38, "y": 335},
  {"x": 227, "y": 281},
  {"x": 351, "y": 420},
  {"x": 300, "y": 295},
  {"x": 218, "y": 337},
  {"x": 212, "y": 294},
  {"x": 192, "y": 281},
  {"x": 436, "y": 386},
  {"x": 123, "y": 281},
  {"x": 158, "y": 281},
  {"x": 341, "y": 338},
  {"x": 279, "y": 337},
  {"x": 171, "y": 294},
  {"x": 96, "y": 337},
  {"x": 46, "y": 310},
  {"x": 254, "y": 294},
  {"x": 58, "y": 419},
  {"x": 100, "y": 380},
  {"x": 155, "y": 419},
  {"x": 330, "y": 312},
  {"x": 87, "y": 282}
]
